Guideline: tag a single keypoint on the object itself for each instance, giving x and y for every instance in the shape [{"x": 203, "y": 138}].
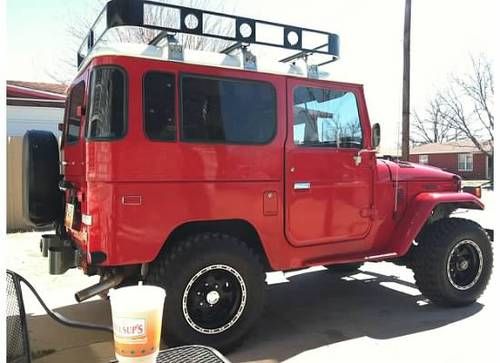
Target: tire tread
[
  {"x": 427, "y": 257},
  {"x": 172, "y": 258}
]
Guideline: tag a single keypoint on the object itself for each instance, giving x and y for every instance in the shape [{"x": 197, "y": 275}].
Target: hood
[{"x": 406, "y": 171}]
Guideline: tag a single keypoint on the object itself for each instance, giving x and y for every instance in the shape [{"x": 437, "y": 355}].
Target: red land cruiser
[{"x": 199, "y": 172}]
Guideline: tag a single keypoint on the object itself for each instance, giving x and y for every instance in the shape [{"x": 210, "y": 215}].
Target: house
[
  {"x": 30, "y": 106},
  {"x": 458, "y": 157},
  {"x": 33, "y": 105}
]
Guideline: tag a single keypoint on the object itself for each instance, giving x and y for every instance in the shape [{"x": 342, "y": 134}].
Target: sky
[{"x": 445, "y": 34}]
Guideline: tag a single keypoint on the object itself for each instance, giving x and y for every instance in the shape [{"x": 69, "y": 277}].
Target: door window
[
  {"x": 159, "y": 106},
  {"x": 74, "y": 120},
  {"x": 107, "y": 104},
  {"x": 326, "y": 117}
]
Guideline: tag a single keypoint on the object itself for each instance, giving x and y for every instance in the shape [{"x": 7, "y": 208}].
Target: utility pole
[{"x": 406, "y": 83}]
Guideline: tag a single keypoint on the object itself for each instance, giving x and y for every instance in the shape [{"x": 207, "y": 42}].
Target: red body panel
[
  {"x": 138, "y": 191},
  {"x": 420, "y": 209},
  {"x": 337, "y": 206}
]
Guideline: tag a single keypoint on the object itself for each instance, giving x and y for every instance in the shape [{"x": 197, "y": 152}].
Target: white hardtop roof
[{"x": 298, "y": 69}]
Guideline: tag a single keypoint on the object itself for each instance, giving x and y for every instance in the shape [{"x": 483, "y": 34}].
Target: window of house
[
  {"x": 423, "y": 159},
  {"x": 227, "y": 111},
  {"x": 107, "y": 114},
  {"x": 74, "y": 121},
  {"x": 465, "y": 162},
  {"x": 159, "y": 106},
  {"x": 326, "y": 117}
]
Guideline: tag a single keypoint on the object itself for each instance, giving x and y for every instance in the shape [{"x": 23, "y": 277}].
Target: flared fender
[{"x": 419, "y": 211}]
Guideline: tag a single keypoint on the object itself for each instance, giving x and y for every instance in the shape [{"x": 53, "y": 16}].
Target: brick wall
[{"x": 449, "y": 162}]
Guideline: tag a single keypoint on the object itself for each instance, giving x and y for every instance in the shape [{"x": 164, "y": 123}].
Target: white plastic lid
[{"x": 137, "y": 298}]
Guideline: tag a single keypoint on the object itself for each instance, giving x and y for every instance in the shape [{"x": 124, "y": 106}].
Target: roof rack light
[{"x": 247, "y": 31}]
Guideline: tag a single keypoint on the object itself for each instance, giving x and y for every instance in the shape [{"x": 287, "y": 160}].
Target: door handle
[
  {"x": 64, "y": 163},
  {"x": 302, "y": 186},
  {"x": 358, "y": 159}
]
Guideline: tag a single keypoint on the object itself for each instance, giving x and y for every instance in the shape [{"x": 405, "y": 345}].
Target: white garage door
[{"x": 23, "y": 118}]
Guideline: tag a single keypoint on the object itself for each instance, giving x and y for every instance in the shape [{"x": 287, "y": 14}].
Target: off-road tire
[
  {"x": 345, "y": 267},
  {"x": 176, "y": 268},
  {"x": 430, "y": 261},
  {"x": 407, "y": 260}
]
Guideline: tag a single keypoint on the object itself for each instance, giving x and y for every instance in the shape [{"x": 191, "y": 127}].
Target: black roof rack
[{"x": 247, "y": 31}]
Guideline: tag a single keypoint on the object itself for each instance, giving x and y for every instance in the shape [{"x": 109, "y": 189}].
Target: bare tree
[
  {"x": 462, "y": 110},
  {"x": 467, "y": 105},
  {"x": 78, "y": 27},
  {"x": 432, "y": 127}
]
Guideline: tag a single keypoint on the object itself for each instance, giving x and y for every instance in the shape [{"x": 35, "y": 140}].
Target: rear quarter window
[
  {"x": 227, "y": 111},
  {"x": 159, "y": 106}
]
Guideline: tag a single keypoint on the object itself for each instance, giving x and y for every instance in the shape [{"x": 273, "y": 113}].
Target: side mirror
[
  {"x": 376, "y": 136},
  {"x": 80, "y": 111},
  {"x": 60, "y": 127}
]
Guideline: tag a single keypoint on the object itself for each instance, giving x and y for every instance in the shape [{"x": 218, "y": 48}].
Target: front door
[{"x": 328, "y": 195}]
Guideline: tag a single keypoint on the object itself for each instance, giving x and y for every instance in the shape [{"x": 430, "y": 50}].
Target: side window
[
  {"x": 326, "y": 117},
  {"x": 74, "y": 121},
  {"x": 423, "y": 159},
  {"x": 465, "y": 162},
  {"x": 159, "y": 106},
  {"x": 107, "y": 115},
  {"x": 227, "y": 111}
]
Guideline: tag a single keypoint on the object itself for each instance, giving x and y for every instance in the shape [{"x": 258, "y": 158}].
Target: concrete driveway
[{"x": 313, "y": 315}]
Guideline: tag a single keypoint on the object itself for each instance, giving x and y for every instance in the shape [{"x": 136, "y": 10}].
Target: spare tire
[{"x": 42, "y": 199}]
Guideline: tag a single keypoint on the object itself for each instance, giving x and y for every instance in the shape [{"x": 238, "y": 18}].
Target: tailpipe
[{"x": 106, "y": 284}]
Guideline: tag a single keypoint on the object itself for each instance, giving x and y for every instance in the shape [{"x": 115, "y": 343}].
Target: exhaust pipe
[{"x": 106, "y": 284}]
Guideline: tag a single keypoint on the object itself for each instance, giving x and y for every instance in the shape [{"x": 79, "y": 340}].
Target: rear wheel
[
  {"x": 215, "y": 290},
  {"x": 345, "y": 267},
  {"x": 452, "y": 262}
]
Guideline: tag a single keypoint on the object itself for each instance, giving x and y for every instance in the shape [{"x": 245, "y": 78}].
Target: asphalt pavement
[{"x": 375, "y": 314}]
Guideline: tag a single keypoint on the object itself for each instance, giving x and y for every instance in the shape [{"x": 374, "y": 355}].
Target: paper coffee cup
[{"x": 137, "y": 313}]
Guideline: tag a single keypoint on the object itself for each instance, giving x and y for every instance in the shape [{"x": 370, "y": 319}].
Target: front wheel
[
  {"x": 215, "y": 290},
  {"x": 453, "y": 261}
]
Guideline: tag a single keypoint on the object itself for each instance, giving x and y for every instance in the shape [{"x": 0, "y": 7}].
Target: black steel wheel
[
  {"x": 214, "y": 299},
  {"x": 465, "y": 264},
  {"x": 215, "y": 290},
  {"x": 453, "y": 261}
]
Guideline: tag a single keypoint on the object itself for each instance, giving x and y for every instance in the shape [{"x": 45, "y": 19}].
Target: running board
[
  {"x": 381, "y": 257},
  {"x": 328, "y": 260}
]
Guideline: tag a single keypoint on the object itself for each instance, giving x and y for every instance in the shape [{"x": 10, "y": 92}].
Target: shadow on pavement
[
  {"x": 322, "y": 308},
  {"x": 311, "y": 310},
  {"x": 47, "y": 336}
]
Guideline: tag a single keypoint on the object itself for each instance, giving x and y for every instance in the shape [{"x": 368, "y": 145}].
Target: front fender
[{"x": 419, "y": 211}]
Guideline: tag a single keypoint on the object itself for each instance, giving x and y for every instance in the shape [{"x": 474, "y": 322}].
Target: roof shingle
[
  {"x": 455, "y": 147},
  {"x": 40, "y": 86}
]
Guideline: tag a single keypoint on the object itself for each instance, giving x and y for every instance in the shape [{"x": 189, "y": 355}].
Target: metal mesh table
[
  {"x": 18, "y": 350},
  {"x": 17, "y": 332},
  {"x": 191, "y": 354}
]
